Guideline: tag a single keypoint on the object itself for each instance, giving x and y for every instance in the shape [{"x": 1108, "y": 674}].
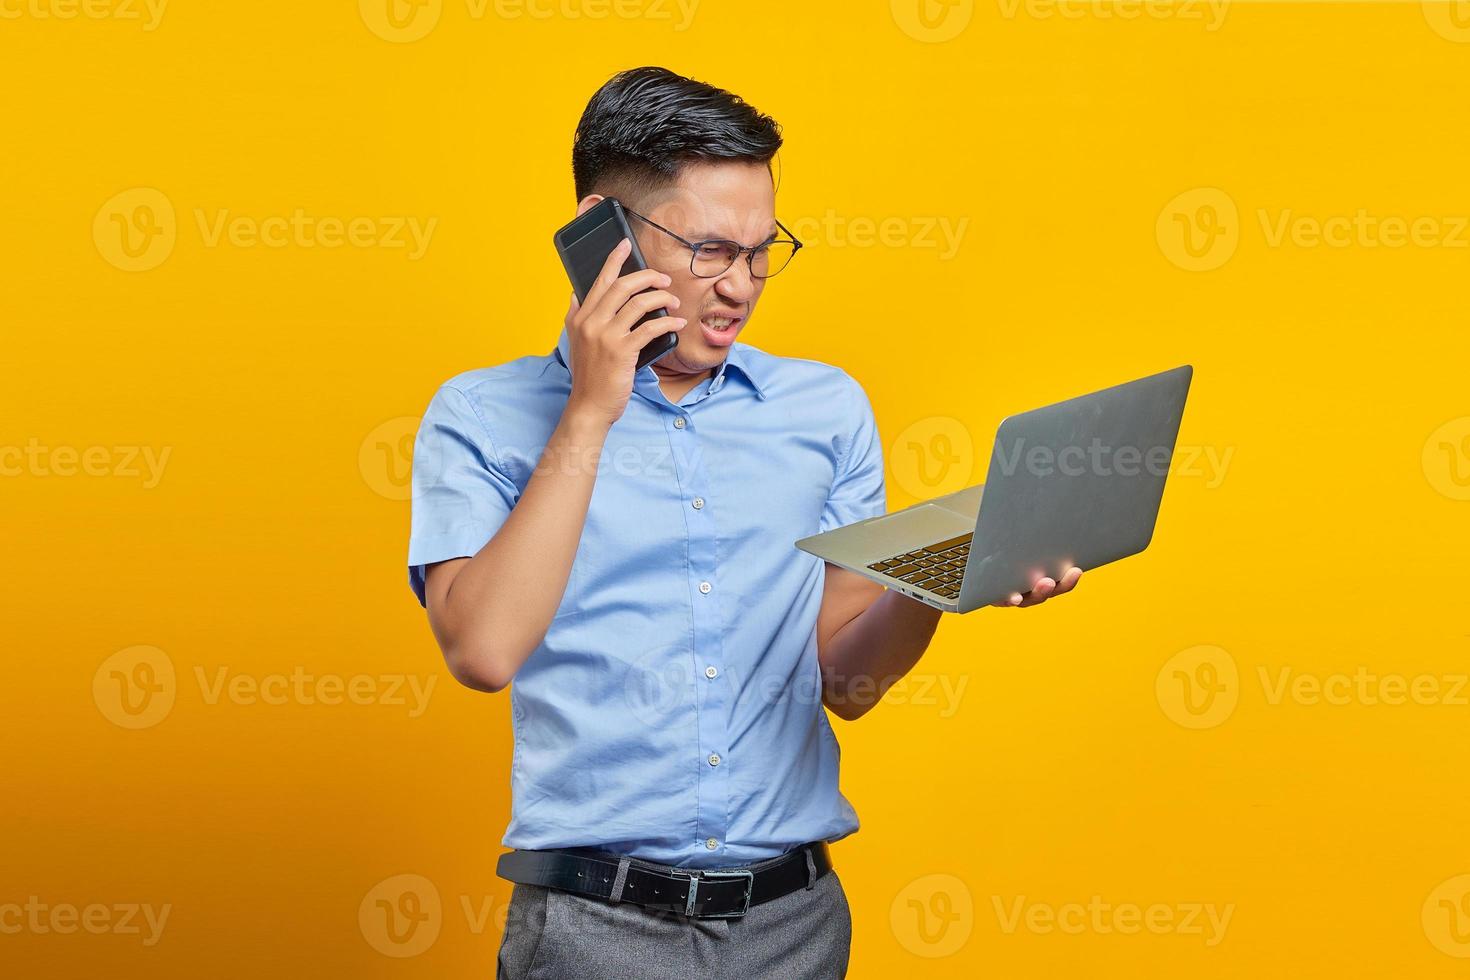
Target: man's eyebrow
[{"x": 707, "y": 236}]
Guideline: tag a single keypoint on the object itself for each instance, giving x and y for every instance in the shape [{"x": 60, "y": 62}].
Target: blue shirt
[{"x": 673, "y": 710}]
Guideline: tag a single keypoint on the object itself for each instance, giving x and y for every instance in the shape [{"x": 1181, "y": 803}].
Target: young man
[{"x": 619, "y": 543}]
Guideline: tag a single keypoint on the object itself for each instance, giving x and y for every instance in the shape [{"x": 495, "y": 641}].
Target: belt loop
[
  {"x": 619, "y": 879},
  {"x": 811, "y": 869},
  {"x": 689, "y": 903}
]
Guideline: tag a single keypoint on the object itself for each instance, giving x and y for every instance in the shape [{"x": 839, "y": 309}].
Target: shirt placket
[{"x": 711, "y": 677}]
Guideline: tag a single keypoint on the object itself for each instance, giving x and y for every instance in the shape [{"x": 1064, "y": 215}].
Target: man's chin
[{"x": 696, "y": 357}]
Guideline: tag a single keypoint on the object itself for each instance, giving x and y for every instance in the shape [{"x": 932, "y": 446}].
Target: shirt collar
[{"x": 741, "y": 358}]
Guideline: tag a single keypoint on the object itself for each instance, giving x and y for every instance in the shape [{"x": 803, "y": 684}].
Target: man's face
[{"x": 733, "y": 201}]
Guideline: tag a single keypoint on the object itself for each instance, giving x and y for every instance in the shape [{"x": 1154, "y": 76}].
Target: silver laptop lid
[{"x": 1075, "y": 483}]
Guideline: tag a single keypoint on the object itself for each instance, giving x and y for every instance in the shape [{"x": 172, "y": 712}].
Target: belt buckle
[{"x": 745, "y": 873}]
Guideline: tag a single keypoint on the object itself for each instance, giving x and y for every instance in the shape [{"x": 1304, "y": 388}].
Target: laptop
[{"x": 1075, "y": 483}]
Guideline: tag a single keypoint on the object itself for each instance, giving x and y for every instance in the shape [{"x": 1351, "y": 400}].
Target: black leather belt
[{"x": 694, "y": 892}]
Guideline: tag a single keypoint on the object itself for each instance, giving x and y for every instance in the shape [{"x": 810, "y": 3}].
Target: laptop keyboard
[{"x": 939, "y": 567}]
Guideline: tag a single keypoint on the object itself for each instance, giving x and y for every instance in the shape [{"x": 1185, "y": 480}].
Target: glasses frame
[{"x": 747, "y": 250}]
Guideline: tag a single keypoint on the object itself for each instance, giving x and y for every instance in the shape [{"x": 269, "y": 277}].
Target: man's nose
[{"x": 737, "y": 285}]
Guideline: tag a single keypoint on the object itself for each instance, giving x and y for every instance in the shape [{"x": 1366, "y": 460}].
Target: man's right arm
[{"x": 491, "y": 611}]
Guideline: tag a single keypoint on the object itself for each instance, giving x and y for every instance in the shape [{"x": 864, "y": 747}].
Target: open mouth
[{"x": 720, "y": 330}]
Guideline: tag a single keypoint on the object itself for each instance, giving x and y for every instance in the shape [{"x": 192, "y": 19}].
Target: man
[{"x": 619, "y": 544}]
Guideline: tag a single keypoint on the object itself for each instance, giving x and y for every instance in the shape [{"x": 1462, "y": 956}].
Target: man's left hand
[{"x": 1043, "y": 590}]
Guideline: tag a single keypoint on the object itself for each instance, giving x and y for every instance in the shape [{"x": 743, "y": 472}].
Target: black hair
[{"x": 644, "y": 124}]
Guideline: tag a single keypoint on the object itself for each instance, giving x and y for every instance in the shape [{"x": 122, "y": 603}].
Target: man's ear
[{"x": 588, "y": 203}]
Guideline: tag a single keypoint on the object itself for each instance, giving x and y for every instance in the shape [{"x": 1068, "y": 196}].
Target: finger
[
  {"x": 608, "y": 274},
  {"x": 656, "y": 327},
  {"x": 572, "y": 310},
  {"x": 1069, "y": 581},
  {"x": 1014, "y": 599},
  {"x": 615, "y": 296},
  {"x": 640, "y": 306},
  {"x": 1039, "y": 593}
]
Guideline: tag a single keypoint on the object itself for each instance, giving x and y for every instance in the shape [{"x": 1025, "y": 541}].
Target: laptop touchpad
[{"x": 915, "y": 528}]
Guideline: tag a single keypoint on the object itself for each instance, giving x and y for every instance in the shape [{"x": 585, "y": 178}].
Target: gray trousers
[{"x": 551, "y": 935}]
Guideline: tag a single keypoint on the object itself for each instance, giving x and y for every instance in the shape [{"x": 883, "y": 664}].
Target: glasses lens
[
  {"x": 713, "y": 258},
  {"x": 772, "y": 259}
]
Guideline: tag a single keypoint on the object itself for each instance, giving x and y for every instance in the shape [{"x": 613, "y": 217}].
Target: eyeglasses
[{"x": 714, "y": 256}]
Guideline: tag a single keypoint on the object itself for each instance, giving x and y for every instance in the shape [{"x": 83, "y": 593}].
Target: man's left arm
[{"x": 869, "y": 637}]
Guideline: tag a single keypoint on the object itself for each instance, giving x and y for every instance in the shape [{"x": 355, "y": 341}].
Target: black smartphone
[{"x": 584, "y": 245}]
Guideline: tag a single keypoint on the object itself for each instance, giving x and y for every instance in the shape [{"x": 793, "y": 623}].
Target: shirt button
[
  {"x": 679, "y": 422},
  {"x": 704, "y": 587},
  {"x": 698, "y": 503},
  {"x": 714, "y": 760},
  {"x": 711, "y": 672},
  {"x": 711, "y": 844}
]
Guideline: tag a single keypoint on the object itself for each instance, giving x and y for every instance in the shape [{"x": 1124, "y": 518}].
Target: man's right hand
[
  {"x": 490, "y": 611},
  {"x": 604, "y": 346}
]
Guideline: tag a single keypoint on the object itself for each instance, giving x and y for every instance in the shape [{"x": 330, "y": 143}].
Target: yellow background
[{"x": 282, "y": 380}]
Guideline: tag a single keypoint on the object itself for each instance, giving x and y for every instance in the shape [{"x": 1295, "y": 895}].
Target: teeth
[{"x": 718, "y": 322}]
